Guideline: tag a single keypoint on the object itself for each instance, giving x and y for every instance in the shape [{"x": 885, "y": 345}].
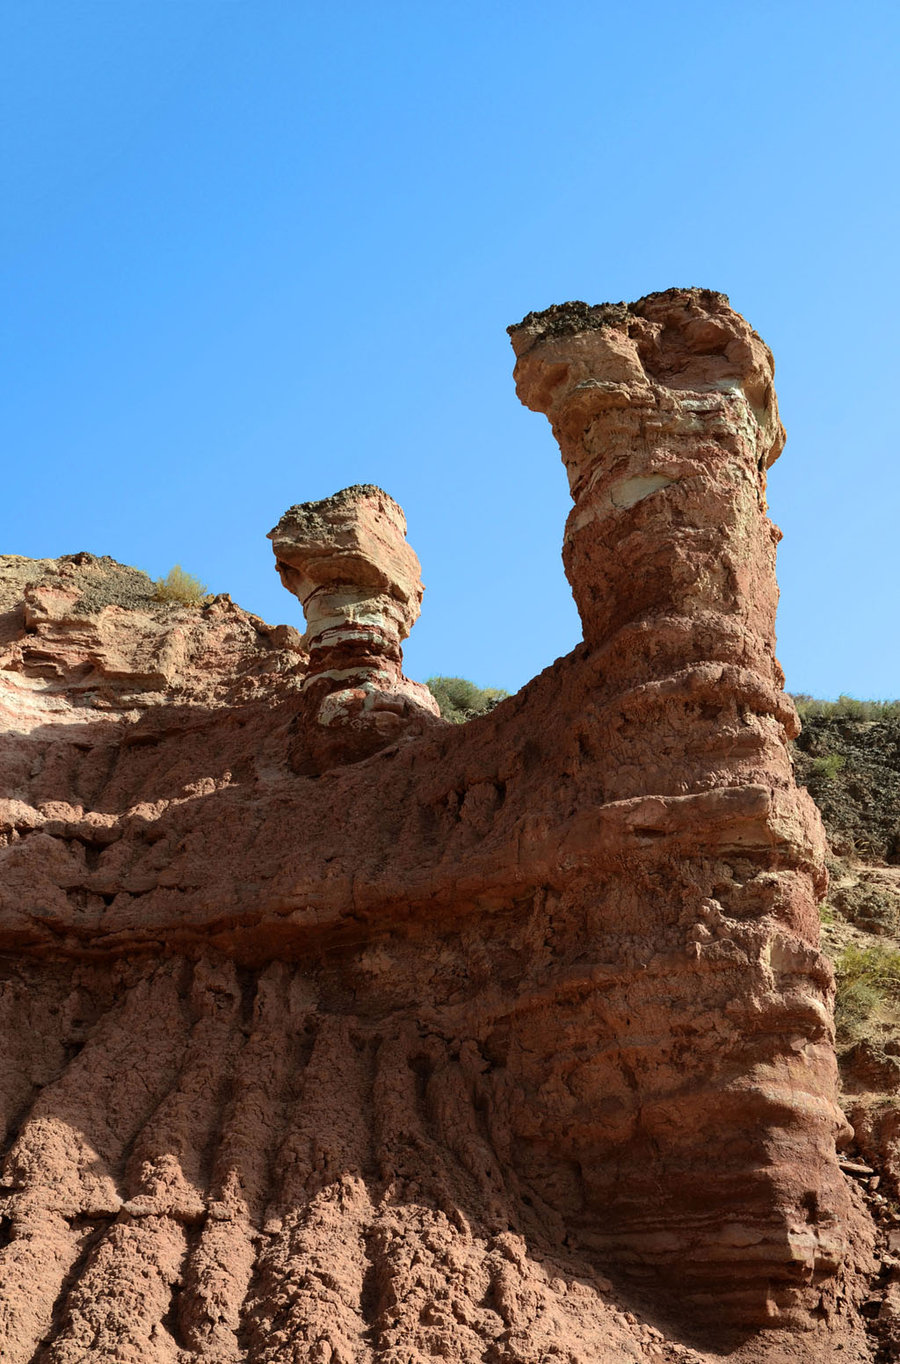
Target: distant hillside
[
  {"x": 848, "y": 756},
  {"x": 851, "y": 765}
]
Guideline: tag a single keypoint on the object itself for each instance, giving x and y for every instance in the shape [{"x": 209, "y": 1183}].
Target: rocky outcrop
[
  {"x": 852, "y": 768},
  {"x": 502, "y": 1041}
]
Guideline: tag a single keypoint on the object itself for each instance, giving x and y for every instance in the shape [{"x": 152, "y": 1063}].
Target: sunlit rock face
[{"x": 335, "y": 1032}]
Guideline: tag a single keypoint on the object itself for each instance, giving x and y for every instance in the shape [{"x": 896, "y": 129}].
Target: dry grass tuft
[{"x": 178, "y": 586}]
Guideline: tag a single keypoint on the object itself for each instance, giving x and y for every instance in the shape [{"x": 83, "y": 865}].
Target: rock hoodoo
[
  {"x": 338, "y": 1033},
  {"x": 347, "y": 560},
  {"x": 666, "y": 417}
]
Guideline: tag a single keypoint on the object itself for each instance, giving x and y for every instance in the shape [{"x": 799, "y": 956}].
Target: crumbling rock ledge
[{"x": 339, "y": 1033}]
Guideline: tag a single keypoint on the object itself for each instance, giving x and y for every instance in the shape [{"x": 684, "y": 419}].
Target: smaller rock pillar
[{"x": 347, "y": 560}]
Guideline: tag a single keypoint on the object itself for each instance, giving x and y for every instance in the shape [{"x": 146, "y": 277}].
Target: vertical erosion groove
[{"x": 63, "y": 1167}]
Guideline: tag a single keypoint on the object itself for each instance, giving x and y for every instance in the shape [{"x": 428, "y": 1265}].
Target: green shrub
[
  {"x": 867, "y": 979},
  {"x": 827, "y": 768},
  {"x": 847, "y": 707},
  {"x": 854, "y": 1006},
  {"x": 178, "y": 586},
  {"x": 459, "y": 700}
]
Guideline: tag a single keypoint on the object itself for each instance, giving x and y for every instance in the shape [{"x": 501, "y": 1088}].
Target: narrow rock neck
[{"x": 354, "y": 632}]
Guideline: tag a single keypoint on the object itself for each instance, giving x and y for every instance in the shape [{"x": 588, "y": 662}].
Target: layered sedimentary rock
[
  {"x": 348, "y": 562},
  {"x": 667, "y": 421},
  {"x": 506, "y": 1041}
]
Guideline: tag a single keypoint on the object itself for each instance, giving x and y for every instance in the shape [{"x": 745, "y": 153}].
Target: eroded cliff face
[{"x": 338, "y": 1033}]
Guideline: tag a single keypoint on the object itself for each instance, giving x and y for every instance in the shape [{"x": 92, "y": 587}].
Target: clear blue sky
[{"x": 257, "y": 250}]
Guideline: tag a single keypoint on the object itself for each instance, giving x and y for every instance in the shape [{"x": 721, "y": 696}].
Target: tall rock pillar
[{"x": 704, "y": 1131}]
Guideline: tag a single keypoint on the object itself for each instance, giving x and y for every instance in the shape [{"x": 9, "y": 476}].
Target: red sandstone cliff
[{"x": 338, "y": 1033}]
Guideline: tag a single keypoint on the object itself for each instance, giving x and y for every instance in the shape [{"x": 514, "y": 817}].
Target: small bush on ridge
[
  {"x": 178, "y": 586},
  {"x": 848, "y": 707},
  {"x": 460, "y": 699}
]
